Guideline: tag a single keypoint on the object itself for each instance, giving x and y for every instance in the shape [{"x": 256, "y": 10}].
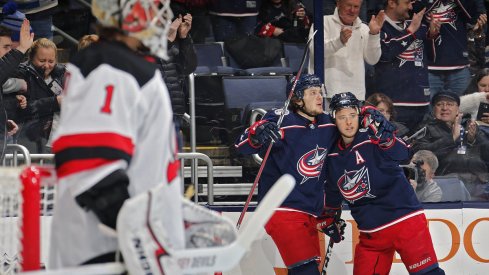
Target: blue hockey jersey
[
  {"x": 369, "y": 178},
  {"x": 301, "y": 153},
  {"x": 449, "y": 50},
  {"x": 402, "y": 72}
]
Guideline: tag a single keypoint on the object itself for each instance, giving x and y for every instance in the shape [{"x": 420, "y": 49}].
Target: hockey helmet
[
  {"x": 305, "y": 81},
  {"x": 146, "y": 20},
  {"x": 343, "y": 100}
]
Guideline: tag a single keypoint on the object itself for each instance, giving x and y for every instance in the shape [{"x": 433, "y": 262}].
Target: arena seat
[
  {"x": 243, "y": 92},
  {"x": 293, "y": 53},
  {"x": 453, "y": 189},
  {"x": 276, "y": 68},
  {"x": 211, "y": 59}
]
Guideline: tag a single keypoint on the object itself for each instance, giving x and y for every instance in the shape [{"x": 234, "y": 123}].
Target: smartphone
[
  {"x": 483, "y": 108},
  {"x": 10, "y": 126}
]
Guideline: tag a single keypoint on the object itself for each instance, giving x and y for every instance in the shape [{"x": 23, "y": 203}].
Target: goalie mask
[
  {"x": 146, "y": 20},
  {"x": 343, "y": 100}
]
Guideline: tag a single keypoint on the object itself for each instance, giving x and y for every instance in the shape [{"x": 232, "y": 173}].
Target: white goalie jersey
[{"x": 115, "y": 115}]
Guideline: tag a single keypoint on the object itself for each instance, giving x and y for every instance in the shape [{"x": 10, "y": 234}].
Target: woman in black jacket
[
  {"x": 45, "y": 79},
  {"x": 182, "y": 61}
]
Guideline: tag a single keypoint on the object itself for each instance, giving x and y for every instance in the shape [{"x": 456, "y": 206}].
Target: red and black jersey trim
[{"x": 80, "y": 152}]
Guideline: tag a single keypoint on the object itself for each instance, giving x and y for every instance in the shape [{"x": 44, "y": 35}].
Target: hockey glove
[
  {"x": 106, "y": 197},
  {"x": 332, "y": 225},
  {"x": 379, "y": 129},
  {"x": 263, "y": 131}
]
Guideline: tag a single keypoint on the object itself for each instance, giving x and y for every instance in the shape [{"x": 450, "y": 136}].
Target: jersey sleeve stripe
[
  {"x": 76, "y": 153},
  {"x": 67, "y": 160},
  {"x": 80, "y": 165},
  {"x": 110, "y": 140}
]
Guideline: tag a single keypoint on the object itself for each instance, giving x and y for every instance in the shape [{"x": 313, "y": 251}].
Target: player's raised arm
[{"x": 383, "y": 133}]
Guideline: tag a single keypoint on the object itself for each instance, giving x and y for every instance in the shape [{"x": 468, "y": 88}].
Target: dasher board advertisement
[{"x": 459, "y": 236}]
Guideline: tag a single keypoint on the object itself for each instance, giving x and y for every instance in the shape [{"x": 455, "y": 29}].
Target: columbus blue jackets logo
[
  {"x": 311, "y": 163},
  {"x": 413, "y": 53},
  {"x": 444, "y": 11},
  {"x": 355, "y": 185}
]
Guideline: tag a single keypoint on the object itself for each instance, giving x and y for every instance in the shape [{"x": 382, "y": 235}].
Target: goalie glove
[
  {"x": 331, "y": 224},
  {"x": 263, "y": 131},
  {"x": 379, "y": 129}
]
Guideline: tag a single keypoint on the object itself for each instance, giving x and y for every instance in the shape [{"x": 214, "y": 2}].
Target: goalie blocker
[{"x": 211, "y": 240}]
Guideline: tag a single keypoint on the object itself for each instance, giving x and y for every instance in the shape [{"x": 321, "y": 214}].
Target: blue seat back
[
  {"x": 209, "y": 54},
  {"x": 293, "y": 52},
  {"x": 453, "y": 189},
  {"x": 241, "y": 91}
]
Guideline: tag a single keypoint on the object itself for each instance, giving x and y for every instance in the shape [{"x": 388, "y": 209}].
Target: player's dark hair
[{"x": 293, "y": 105}]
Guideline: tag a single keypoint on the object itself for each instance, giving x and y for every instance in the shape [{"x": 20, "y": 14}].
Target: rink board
[
  {"x": 459, "y": 232},
  {"x": 460, "y": 236}
]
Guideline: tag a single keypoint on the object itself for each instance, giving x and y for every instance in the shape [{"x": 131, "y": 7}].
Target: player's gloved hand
[
  {"x": 263, "y": 131},
  {"x": 380, "y": 130},
  {"x": 332, "y": 225}
]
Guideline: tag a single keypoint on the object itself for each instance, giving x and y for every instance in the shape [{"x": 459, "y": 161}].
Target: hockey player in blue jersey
[
  {"x": 363, "y": 169},
  {"x": 300, "y": 148}
]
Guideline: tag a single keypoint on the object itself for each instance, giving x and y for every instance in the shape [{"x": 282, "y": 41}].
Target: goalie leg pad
[
  {"x": 106, "y": 197},
  {"x": 206, "y": 228}
]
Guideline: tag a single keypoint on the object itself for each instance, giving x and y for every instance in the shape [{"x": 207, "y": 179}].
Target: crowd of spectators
[{"x": 425, "y": 60}]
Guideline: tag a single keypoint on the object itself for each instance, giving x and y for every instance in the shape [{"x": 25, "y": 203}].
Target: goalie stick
[
  {"x": 284, "y": 110},
  {"x": 144, "y": 243}
]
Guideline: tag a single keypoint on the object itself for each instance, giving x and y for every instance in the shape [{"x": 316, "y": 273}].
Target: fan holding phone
[
  {"x": 483, "y": 114},
  {"x": 479, "y": 87}
]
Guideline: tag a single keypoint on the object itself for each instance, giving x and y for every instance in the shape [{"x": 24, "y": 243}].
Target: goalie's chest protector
[{"x": 373, "y": 184}]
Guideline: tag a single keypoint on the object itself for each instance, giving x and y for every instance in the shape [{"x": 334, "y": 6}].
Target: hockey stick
[
  {"x": 280, "y": 119},
  {"x": 329, "y": 249},
  {"x": 327, "y": 256},
  {"x": 143, "y": 238}
]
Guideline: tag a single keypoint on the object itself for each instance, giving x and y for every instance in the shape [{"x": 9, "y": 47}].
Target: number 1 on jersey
[{"x": 109, "y": 90}]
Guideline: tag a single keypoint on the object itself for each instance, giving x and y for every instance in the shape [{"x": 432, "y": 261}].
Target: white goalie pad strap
[{"x": 212, "y": 243}]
